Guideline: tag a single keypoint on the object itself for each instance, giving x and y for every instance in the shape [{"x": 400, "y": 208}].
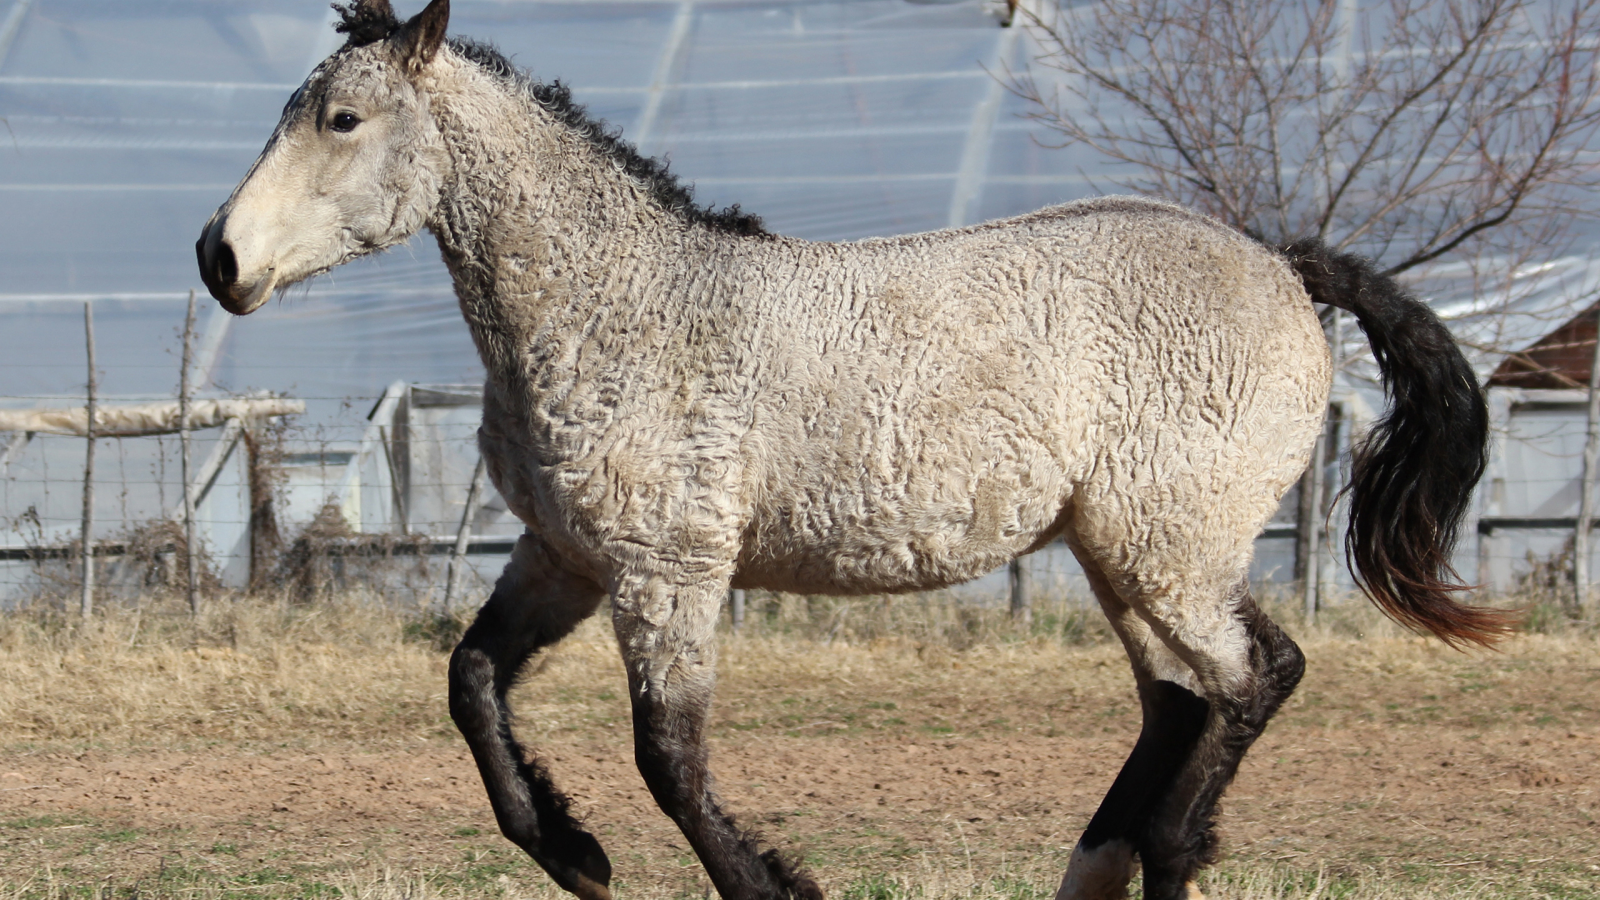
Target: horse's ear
[{"x": 419, "y": 39}]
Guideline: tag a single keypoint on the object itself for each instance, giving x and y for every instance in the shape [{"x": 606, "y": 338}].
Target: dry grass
[
  {"x": 807, "y": 677},
  {"x": 247, "y": 671},
  {"x": 274, "y": 671},
  {"x": 930, "y": 880}
]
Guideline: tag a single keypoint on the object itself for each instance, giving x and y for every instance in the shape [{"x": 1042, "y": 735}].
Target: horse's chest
[{"x": 610, "y": 480}]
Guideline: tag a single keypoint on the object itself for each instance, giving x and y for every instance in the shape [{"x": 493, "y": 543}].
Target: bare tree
[
  {"x": 1426, "y": 134},
  {"x": 1410, "y": 131}
]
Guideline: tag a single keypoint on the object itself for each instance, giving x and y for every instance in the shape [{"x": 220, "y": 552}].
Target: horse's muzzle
[{"x": 219, "y": 269}]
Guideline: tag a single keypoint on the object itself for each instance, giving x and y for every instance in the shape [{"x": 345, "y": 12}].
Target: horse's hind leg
[
  {"x": 535, "y": 603},
  {"x": 667, "y": 634},
  {"x": 1174, "y": 717},
  {"x": 1248, "y": 667},
  {"x": 1210, "y": 673}
]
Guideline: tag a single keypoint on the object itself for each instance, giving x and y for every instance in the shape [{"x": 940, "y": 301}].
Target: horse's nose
[{"x": 219, "y": 269}]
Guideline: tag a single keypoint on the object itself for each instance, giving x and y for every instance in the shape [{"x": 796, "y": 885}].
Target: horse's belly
[{"x": 938, "y": 526}]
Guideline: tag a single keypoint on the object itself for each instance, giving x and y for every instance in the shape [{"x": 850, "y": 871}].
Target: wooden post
[
  {"x": 1311, "y": 521},
  {"x": 14, "y": 445},
  {"x": 87, "y": 604},
  {"x": 1021, "y": 609},
  {"x": 191, "y": 571},
  {"x": 1591, "y": 456},
  {"x": 1313, "y": 518},
  {"x": 458, "y": 556},
  {"x": 736, "y": 608}
]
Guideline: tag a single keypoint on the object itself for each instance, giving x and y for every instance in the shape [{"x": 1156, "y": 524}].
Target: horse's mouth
[
  {"x": 253, "y": 298},
  {"x": 241, "y": 299}
]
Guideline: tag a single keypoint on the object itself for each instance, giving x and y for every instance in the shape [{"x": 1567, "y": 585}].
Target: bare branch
[{"x": 1420, "y": 132}]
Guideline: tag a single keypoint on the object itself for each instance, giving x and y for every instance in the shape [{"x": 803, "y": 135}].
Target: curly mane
[{"x": 365, "y": 25}]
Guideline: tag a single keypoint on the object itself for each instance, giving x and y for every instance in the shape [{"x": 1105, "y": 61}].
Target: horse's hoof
[
  {"x": 586, "y": 888},
  {"x": 804, "y": 888},
  {"x": 579, "y": 866}
]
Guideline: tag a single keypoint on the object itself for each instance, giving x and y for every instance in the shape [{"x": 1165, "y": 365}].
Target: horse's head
[{"x": 352, "y": 168}]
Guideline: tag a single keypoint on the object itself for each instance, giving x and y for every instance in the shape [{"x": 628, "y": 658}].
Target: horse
[{"x": 679, "y": 401}]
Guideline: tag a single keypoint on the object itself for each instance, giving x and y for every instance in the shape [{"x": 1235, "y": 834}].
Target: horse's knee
[{"x": 473, "y": 705}]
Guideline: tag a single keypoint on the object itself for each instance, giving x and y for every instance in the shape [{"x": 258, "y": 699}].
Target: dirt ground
[{"x": 1396, "y": 757}]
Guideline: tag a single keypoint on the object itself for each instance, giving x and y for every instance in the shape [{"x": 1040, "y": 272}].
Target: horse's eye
[{"x": 344, "y": 122}]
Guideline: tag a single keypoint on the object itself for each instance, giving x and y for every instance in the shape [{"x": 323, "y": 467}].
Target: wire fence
[{"x": 387, "y": 502}]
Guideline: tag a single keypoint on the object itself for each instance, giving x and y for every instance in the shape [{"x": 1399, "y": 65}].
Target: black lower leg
[
  {"x": 1173, "y": 720},
  {"x": 672, "y": 758},
  {"x": 531, "y": 812},
  {"x": 529, "y": 809},
  {"x": 1181, "y": 838}
]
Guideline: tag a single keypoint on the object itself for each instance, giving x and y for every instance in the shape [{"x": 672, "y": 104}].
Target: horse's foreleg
[
  {"x": 535, "y": 603},
  {"x": 1248, "y": 667},
  {"x": 667, "y": 635},
  {"x": 1174, "y": 718}
]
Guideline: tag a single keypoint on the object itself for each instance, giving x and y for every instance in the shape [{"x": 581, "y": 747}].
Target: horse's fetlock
[
  {"x": 795, "y": 881},
  {"x": 523, "y": 831}
]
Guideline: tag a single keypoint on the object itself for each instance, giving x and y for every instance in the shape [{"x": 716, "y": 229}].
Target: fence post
[
  {"x": 1591, "y": 455},
  {"x": 1310, "y": 522},
  {"x": 1021, "y": 608},
  {"x": 736, "y": 608},
  {"x": 1313, "y": 490},
  {"x": 86, "y": 606},
  {"x": 191, "y": 571},
  {"x": 458, "y": 556}
]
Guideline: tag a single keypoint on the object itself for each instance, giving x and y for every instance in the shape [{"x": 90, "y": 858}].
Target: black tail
[{"x": 1415, "y": 471}]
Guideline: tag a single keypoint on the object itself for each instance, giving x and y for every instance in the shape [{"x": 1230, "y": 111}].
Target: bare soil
[{"x": 1396, "y": 756}]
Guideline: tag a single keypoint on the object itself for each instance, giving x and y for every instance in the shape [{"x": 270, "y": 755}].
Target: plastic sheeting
[{"x": 128, "y": 123}]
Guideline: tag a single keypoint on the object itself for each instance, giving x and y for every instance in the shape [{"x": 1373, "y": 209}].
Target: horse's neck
[{"x": 544, "y": 237}]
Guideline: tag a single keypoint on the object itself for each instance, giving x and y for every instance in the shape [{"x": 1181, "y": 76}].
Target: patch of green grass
[
  {"x": 877, "y": 887},
  {"x": 28, "y": 822}
]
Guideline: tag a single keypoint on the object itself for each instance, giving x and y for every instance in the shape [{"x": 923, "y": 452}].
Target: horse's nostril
[{"x": 224, "y": 267}]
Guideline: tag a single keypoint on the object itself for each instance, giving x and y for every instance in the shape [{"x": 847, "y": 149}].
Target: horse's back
[{"x": 1118, "y": 367}]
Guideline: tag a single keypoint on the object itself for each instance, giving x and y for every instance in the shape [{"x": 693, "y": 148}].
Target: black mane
[
  {"x": 364, "y": 26},
  {"x": 556, "y": 99}
]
